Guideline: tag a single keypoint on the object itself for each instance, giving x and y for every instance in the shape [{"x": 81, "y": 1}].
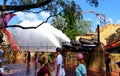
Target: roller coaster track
[{"x": 101, "y": 17}]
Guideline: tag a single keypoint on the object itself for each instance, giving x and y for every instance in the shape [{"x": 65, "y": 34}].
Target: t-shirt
[
  {"x": 80, "y": 70},
  {"x": 59, "y": 60},
  {"x": 49, "y": 58},
  {"x": 43, "y": 71}
]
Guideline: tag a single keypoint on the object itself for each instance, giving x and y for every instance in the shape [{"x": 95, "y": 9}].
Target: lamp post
[{"x": 98, "y": 36}]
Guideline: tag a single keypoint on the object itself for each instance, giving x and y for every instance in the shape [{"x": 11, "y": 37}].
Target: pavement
[
  {"x": 20, "y": 69},
  {"x": 94, "y": 72}
]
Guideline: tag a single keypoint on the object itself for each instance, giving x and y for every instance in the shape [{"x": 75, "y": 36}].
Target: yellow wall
[{"x": 107, "y": 30}]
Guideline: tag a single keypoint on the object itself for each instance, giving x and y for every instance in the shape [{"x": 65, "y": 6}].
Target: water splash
[{"x": 44, "y": 36}]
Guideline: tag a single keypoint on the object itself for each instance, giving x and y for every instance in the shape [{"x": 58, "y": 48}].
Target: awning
[{"x": 112, "y": 45}]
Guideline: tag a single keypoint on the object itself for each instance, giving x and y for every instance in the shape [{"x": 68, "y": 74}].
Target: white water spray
[{"x": 43, "y": 36}]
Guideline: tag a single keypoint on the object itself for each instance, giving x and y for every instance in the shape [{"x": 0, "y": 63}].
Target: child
[{"x": 80, "y": 69}]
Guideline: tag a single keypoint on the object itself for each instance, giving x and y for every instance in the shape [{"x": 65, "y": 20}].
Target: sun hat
[{"x": 79, "y": 56}]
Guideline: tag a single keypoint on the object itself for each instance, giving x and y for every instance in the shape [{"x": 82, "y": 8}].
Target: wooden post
[{"x": 98, "y": 34}]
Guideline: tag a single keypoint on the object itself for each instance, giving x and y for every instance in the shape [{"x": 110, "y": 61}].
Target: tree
[
  {"x": 69, "y": 13},
  {"x": 59, "y": 23},
  {"x": 93, "y": 2},
  {"x": 74, "y": 25},
  {"x": 44, "y": 5},
  {"x": 50, "y": 6},
  {"x": 21, "y": 5},
  {"x": 84, "y": 26}
]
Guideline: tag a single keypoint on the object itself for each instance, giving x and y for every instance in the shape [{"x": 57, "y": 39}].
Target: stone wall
[{"x": 115, "y": 57}]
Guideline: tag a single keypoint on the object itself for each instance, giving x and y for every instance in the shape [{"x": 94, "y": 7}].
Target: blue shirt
[{"x": 80, "y": 70}]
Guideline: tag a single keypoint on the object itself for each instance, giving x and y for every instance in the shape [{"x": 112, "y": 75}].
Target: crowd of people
[
  {"x": 58, "y": 69},
  {"x": 45, "y": 69}
]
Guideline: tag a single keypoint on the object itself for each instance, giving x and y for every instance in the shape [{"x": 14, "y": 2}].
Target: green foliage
[
  {"x": 54, "y": 2},
  {"x": 59, "y": 22},
  {"x": 93, "y": 2},
  {"x": 83, "y": 27},
  {"x": 71, "y": 33},
  {"x": 27, "y": 1},
  {"x": 70, "y": 20},
  {"x": 70, "y": 9}
]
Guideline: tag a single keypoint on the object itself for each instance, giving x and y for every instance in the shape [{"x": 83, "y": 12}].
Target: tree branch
[
  {"x": 29, "y": 27},
  {"x": 8, "y": 26},
  {"x": 23, "y": 7}
]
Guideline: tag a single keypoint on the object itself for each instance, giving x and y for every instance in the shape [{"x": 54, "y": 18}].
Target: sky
[{"x": 109, "y": 8}]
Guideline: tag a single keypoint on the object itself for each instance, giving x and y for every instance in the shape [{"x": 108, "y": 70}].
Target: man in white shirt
[{"x": 59, "y": 64}]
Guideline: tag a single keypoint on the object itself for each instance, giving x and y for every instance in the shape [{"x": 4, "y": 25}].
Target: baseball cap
[{"x": 58, "y": 49}]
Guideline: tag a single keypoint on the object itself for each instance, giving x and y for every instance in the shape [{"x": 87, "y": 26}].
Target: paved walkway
[
  {"x": 20, "y": 69},
  {"x": 94, "y": 72}
]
